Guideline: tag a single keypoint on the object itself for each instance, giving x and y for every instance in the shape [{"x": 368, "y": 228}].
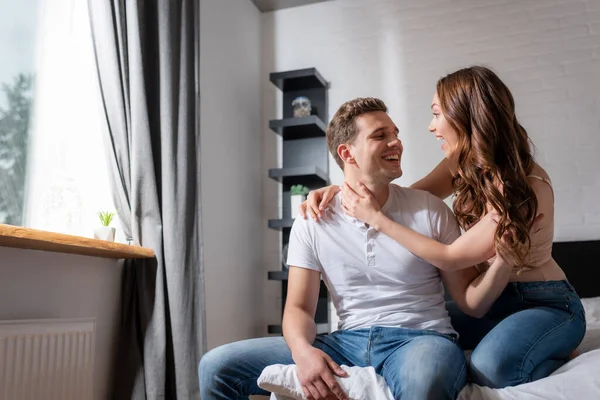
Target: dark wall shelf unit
[{"x": 305, "y": 161}]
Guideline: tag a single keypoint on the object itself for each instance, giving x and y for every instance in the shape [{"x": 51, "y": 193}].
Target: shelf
[
  {"x": 308, "y": 176},
  {"x": 298, "y": 128},
  {"x": 33, "y": 239},
  {"x": 278, "y": 275},
  {"x": 299, "y": 79},
  {"x": 279, "y": 224},
  {"x": 276, "y": 329}
]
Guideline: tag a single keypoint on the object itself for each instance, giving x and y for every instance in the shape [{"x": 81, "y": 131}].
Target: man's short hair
[{"x": 342, "y": 128}]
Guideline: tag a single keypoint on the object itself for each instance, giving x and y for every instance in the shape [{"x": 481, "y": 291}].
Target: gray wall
[
  {"x": 43, "y": 285},
  {"x": 231, "y": 169}
]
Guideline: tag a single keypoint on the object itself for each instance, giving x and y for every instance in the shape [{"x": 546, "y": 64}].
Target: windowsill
[{"x": 33, "y": 239}]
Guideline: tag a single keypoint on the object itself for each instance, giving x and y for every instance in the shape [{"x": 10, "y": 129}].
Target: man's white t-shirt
[{"x": 373, "y": 280}]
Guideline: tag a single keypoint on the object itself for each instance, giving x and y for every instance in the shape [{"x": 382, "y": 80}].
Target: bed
[{"x": 580, "y": 377}]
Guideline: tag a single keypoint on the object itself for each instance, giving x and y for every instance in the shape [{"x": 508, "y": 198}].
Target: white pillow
[
  {"x": 591, "y": 340},
  {"x": 591, "y": 306}
]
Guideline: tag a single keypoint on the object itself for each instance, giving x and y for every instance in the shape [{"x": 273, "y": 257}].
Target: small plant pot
[
  {"x": 105, "y": 233},
  {"x": 295, "y": 202}
]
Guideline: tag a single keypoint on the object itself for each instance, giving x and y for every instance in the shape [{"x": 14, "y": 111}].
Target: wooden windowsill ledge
[{"x": 33, "y": 239}]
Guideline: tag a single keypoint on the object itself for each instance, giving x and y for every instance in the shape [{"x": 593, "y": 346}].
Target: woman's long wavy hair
[{"x": 494, "y": 158}]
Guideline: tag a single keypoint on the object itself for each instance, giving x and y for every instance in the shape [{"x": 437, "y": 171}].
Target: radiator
[{"x": 47, "y": 359}]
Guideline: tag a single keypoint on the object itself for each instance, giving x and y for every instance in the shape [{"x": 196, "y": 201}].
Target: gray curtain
[{"x": 147, "y": 56}]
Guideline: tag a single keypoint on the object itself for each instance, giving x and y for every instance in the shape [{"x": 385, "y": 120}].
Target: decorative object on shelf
[
  {"x": 298, "y": 195},
  {"x": 284, "y": 254},
  {"x": 301, "y": 106},
  {"x": 105, "y": 232}
]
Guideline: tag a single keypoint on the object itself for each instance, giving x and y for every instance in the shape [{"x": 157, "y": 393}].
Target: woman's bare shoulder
[{"x": 539, "y": 172}]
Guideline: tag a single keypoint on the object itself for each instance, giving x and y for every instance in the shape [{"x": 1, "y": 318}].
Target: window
[
  {"x": 17, "y": 49},
  {"x": 56, "y": 164}
]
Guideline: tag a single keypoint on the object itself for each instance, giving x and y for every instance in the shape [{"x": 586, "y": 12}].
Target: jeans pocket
[{"x": 559, "y": 300}]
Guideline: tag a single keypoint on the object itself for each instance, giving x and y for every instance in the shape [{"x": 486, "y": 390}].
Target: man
[{"x": 389, "y": 302}]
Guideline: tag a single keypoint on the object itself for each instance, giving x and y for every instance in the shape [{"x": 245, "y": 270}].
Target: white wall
[
  {"x": 231, "y": 169},
  {"x": 548, "y": 53},
  {"x": 45, "y": 285}
]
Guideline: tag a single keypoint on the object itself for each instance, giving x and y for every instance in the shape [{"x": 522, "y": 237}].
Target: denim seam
[
  {"x": 580, "y": 312},
  {"x": 241, "y": 382},
  {"x": 571, "y": 317},
  {"x": 454, "y": 388}
]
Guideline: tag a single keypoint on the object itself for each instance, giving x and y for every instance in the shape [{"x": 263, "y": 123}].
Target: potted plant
[
  {"x": 298, "y": 195},
  {"x": 105, "y": 232}
]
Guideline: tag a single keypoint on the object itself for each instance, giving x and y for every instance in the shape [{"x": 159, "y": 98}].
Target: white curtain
[{"x": 67, "y": 172}]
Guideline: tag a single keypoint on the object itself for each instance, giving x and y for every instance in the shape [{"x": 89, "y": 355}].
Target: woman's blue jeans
[{"x": 529, "y": 332}]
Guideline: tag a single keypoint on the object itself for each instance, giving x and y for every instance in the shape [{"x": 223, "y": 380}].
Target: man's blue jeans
[
  {"x": 416, "y": 364},
  {"x": 529, "y": 332}
]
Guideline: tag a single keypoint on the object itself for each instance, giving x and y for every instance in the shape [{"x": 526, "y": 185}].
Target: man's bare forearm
[{"x": 299, "y": 329}]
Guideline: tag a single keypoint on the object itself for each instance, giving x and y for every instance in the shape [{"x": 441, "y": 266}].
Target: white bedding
[{"x": 578, "y": 379}]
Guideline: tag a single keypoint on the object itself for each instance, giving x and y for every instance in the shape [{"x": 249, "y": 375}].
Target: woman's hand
[
  {"x": 360, "y": 204},
  {"x": 317, "y": 201},
  {"x": 501, "y": 263}
]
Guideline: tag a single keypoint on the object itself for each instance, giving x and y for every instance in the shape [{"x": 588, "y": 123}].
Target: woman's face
[{"x": 442, "y": 130}]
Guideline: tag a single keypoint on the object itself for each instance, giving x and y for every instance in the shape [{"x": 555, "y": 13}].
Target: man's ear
[{"x": 344, "y": 152}]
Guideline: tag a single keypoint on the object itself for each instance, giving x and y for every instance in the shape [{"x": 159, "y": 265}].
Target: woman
[{"x": 538, "y": 320}]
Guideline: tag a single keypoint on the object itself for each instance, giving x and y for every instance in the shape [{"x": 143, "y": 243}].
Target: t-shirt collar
[{"x": 357, "y": 222}]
